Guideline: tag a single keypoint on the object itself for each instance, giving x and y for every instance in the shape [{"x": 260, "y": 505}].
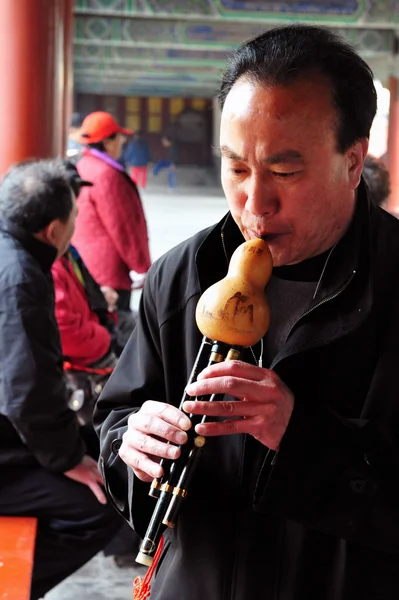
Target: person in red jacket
[
  {"x": 111, "y": 231},
  {"x": 85, "y": 340}
]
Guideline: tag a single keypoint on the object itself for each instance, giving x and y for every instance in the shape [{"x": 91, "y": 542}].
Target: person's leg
[
  {"x": 126, "y": 324},
  {"x": 172, "y": 176},
  {"x": 72, "y": 525},
  {"x": 123, "y": 300},
  {"x": 134, "y": 174},
  {"x": 161, "y": 164},
  {"x": 144, "y": 174}
]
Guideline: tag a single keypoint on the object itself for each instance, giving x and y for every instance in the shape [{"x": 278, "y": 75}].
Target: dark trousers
[
  {"x": 72, "y": 525},
  {"x": 124, "y": 299}
]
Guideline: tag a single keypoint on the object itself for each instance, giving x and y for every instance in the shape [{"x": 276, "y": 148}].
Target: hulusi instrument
[{"x": 232, "y": 314}]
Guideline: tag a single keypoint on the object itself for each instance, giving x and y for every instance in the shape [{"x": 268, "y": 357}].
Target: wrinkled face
[
  {"x": 114, "y": 147},
  {"x": 283, "y": 177}
]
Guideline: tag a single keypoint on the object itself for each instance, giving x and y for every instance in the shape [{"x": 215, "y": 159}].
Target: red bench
[{"x": 17, "y": 545}]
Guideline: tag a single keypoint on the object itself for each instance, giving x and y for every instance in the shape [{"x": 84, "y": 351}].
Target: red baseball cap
[{"x": 99, "y": 126}]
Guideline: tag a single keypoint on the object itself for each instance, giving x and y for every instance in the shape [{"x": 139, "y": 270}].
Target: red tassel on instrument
[{"x": 142, "y": 587}]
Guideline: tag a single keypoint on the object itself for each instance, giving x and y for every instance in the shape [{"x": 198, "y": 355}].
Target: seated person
[
  {"x": 86, "y": 314},
  {"x": 45, "y": 469},
  {"x": 90, "y": 330},
  {"x": 87, "y": 326}
]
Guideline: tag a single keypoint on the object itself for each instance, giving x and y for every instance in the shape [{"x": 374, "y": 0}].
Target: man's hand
[
  {"x": 264, "y": 405},
  {"x": 111, "y": 296},
  {"x": 145, "y": 441},
  {"x": 87, "y": 472},
  {"x": 138, "y": 279}
]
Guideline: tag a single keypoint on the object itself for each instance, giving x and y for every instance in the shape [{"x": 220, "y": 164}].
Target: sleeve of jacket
[
  {"x": 119, "y": 206},
  {"x": 138, "y": 376},
  {"x": 33, "y": 390},
  {"x": 338, "y": 475},
  {"x": 87, "y": 339}
]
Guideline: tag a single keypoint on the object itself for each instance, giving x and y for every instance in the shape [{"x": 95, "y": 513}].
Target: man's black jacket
[
  {"x": 35, "y": 424},
  {"x": 319, "y": 519}
]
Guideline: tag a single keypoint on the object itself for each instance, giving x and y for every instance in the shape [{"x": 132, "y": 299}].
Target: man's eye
[
  {"x": 284, "y": 175},
  {"x": 237, "y": 171}
]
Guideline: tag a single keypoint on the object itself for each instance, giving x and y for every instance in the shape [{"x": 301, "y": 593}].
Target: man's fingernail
[
  {"x": 172, "y": 451},
  {"x": 181, "y": 437},
  {"x": 185, "y": 424}
]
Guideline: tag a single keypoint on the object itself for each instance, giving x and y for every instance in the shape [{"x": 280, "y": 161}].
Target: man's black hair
[
  {"x": 100, "y": 145},
  {"x": 285, "y": 54},
  {"x": 35, "y": 193}
]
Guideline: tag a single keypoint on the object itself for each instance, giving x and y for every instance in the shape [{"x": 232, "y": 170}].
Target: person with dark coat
[
  {"x": 296, "y": 494},
  {"x": 111, "y": 232},
  {"x": 74, "y": 146},
  {"x": 45, "y": 471},
  {"x": 137, "y": 156}
]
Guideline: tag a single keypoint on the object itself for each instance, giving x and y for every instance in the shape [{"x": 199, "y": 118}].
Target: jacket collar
[
  {"x": 43, "y": 253},
  {"x": 348, "y": 266},
  {"x": 350, "y": 258},
  {"x": 351, "y": 252},
  {"x": 105, "y": 158}
]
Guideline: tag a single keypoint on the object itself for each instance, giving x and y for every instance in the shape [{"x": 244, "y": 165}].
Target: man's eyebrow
[
  {"x": 287, "y": 156},
  {"x": 227, "y": 152}
]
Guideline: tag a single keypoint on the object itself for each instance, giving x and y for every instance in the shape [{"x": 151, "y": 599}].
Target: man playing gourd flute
[{"x": 296, "y": 493}]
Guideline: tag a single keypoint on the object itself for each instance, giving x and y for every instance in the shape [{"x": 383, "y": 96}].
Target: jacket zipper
[
  {"x": 232, "y": 590},
  {"x": 308, "y": 312}
]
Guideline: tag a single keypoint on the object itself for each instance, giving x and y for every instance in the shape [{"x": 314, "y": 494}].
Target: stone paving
[{"x": 171, "y": 218}]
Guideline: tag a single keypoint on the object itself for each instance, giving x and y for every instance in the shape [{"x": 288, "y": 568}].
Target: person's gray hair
[{"x": 35, "y": 193}]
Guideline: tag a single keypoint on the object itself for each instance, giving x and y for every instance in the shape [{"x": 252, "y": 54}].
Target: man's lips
[{"x": 267, "y": 236}]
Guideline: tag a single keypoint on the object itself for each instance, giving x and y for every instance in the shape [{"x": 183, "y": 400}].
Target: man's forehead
[
  {"x": 302, "y": 95},
  {"x": 285, "y": 156}
]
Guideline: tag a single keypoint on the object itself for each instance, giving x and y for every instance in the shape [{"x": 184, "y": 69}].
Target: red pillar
[
  {"x": 393, "y": 145},
  {"x": 68, "y": 70},
  {"x": 32, "y": 66}
]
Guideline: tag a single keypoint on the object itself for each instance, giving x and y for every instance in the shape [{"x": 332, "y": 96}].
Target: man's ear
[
  {"x": 51, "y": 233},
  {"x": 357, "y": 155}
]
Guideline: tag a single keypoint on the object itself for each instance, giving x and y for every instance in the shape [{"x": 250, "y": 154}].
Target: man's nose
[{"x": 262, "y": 198}]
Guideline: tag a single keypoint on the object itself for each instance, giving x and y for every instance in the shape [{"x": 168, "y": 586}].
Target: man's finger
[
  {"x": 228, "y": 408},
  {"x": 149, "y": 445},
  {"x": 142, "y": 476},
  {"x": 168, "y": 413},
  {"x": 98, "y": 492},
  {"x": 234, "y": 368},
  {"x": 156, "y": 425},
  {"x": 228, "y": 427},
  {"x": 140, "y": 462},
  {"x": 234, "y": 386}
]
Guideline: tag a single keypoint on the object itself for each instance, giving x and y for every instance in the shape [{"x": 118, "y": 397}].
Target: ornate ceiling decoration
[{"x": 179, "y": 47}]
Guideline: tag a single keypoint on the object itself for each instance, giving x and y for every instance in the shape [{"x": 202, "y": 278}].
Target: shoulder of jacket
[
  {"x": 173, "y": 279},
  {"x": 385, "y": 232},
  {"x": 22, "y": 277},
  {"x": 180, "y": 257}
]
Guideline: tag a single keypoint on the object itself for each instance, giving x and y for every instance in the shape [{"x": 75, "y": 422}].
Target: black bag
[{"x": 86, "y": 384}]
